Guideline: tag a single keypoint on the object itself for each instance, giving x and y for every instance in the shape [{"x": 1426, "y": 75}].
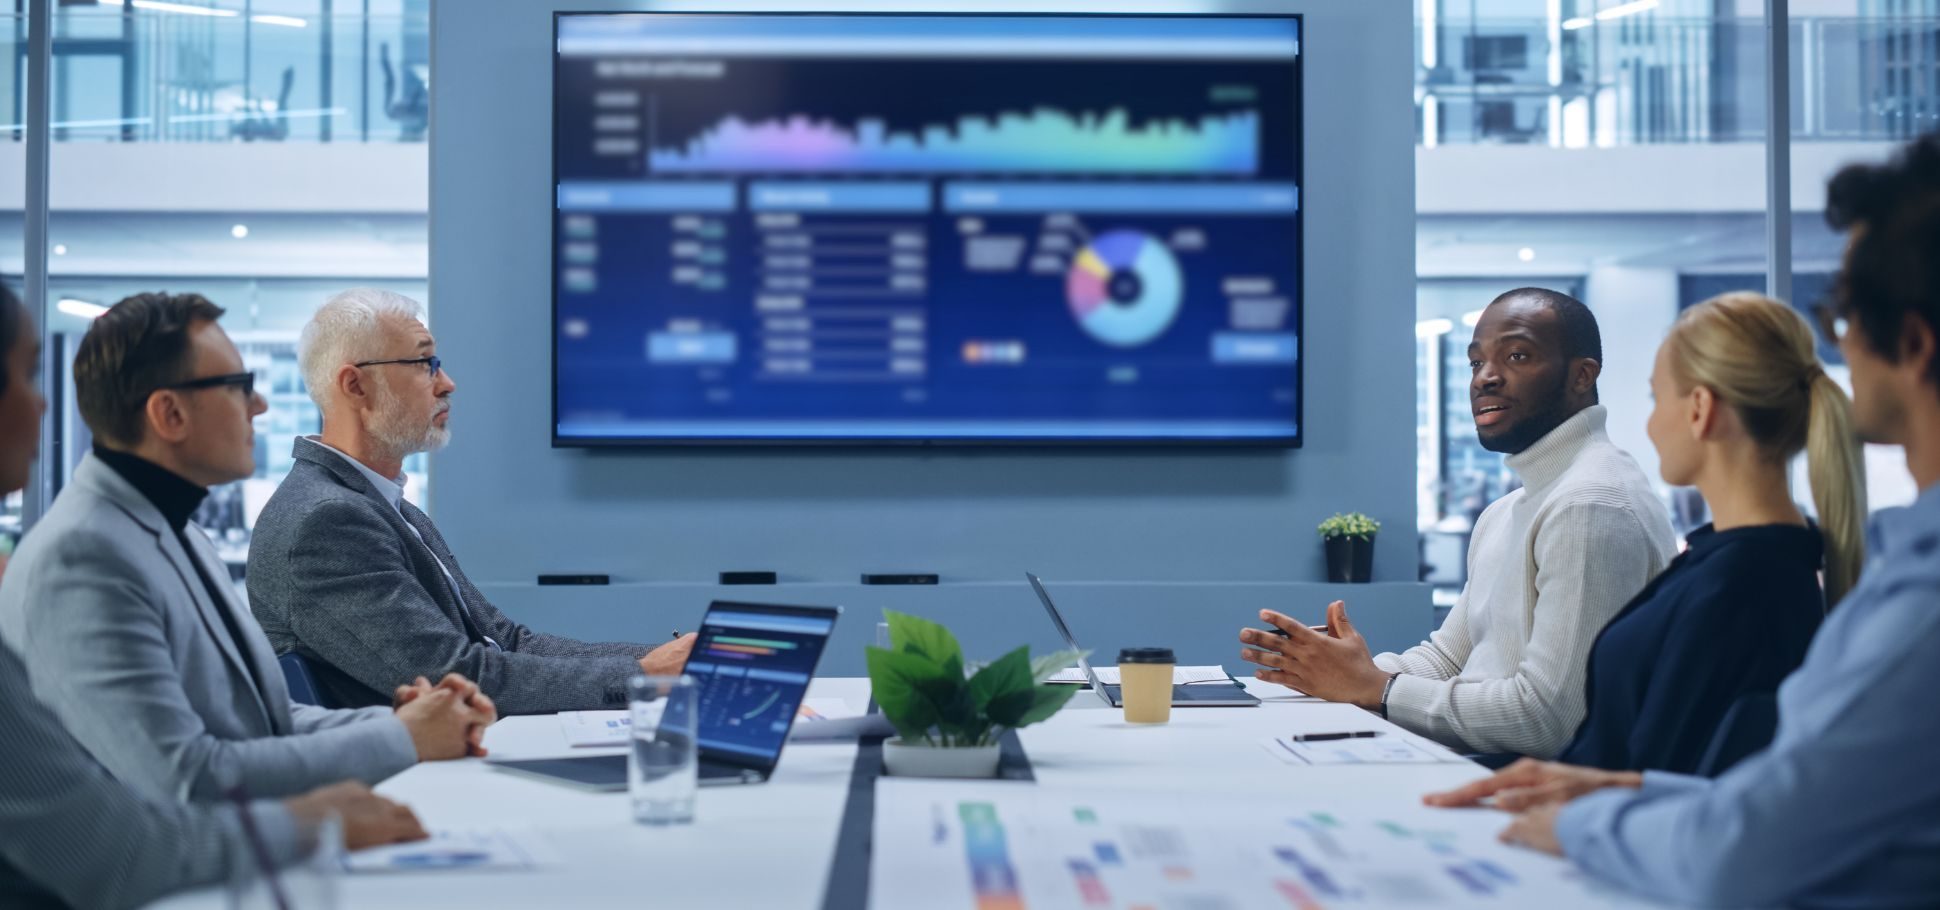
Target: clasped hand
[{"x": 447, "y": 720}]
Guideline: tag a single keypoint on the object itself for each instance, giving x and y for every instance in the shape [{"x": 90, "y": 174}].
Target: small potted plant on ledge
[
  {"x": 949, "y": 721},
  {"x": 1350, "y": 547}
]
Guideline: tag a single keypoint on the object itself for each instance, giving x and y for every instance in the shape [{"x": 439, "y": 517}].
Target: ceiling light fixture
[
  {"x": 74, "y": 306},
  {"x": 1616, "y": 12},
  {"x": 289, "y": 21},
  {"x": 162, "y": 6},
  {"x": 239, "y": 231},
  {"x": 60, "y": 249},
  {"x": 1526, "y": 254},
  {"x": 1430, "y": 328},
  {"x": 1471, "y": 317}
]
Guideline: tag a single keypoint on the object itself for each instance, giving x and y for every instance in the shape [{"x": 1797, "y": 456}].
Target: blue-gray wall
[{"x": 1163, "y": 547}]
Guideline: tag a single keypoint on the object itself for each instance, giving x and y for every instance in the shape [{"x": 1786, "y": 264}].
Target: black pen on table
[{"x": 1329, "y": 737}]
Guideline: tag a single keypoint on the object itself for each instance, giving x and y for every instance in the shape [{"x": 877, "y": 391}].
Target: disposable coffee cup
[{"x": 1145, "y": 684}]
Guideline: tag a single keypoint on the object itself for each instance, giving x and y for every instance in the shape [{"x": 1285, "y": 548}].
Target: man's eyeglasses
[
  {"x": 431, "y": 364},
  {"x": 246, "y": 381}
]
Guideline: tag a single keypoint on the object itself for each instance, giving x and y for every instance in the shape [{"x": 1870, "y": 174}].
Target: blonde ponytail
[
  {"x": 1759, "y": 358},
  {"x": 1838, "y": 478}
]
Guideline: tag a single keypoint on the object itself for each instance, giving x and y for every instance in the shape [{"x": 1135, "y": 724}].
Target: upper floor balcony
[{"x": 1637, "y": 78}]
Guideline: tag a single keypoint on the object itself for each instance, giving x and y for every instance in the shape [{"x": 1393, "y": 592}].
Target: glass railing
[
  {"x": 1646, "y": 79},
  {"x": 123, "y": 73},
  {"x": 129, "y": 73}
]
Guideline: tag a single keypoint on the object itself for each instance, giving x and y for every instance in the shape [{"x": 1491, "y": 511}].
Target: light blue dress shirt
[{"x": 1843, "y": 809}]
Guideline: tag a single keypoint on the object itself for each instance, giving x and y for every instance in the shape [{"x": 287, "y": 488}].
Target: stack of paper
[
  {"x": 1387, "y": 749},
  {"x": 1109, "y": 675},
  {"x": 817, "y": 718},
  {"x": 472, "y": 850}
]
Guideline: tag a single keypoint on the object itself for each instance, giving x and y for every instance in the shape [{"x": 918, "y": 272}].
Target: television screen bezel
[{"x": 1295, "y": 441}]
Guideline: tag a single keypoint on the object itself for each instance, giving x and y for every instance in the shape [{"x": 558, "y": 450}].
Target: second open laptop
[
  {"x": 1229, "y": 694},
  {"x": 752, "y": 663}
]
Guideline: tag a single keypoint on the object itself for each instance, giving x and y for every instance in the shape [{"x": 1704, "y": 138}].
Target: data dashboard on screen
[{"x": 947, "y": 228}]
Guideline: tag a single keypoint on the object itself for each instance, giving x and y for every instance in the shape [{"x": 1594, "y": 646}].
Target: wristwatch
[{"x": 1385, "y": 691}]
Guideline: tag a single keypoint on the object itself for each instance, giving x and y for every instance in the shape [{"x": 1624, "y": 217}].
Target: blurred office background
[{"x": 268, "y": 152}]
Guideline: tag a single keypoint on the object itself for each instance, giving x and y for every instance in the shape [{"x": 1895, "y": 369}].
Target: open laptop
[
  {"x": 1228, "y": 694},
  {"x": 752, "y": 664}
]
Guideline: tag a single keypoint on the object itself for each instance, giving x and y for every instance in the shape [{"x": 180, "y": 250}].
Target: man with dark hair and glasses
[
  {"x": 347, "y": 573},
  {"x": 1843, "y": 808},
  {"x": 128, "y": 624}
]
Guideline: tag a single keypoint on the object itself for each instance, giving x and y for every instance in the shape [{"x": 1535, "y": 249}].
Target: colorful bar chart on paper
[{"x": 1005, "y": 846}]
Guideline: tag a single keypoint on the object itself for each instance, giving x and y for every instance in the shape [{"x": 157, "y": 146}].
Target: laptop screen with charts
[
  {"x": 1198, "y": 695},
  {"x": 751, "y": 664}
]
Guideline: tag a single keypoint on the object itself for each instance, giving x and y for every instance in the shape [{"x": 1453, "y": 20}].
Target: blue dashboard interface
[
  {"x": 752, "y": 665},
  {"x": 956, "y": 227}
]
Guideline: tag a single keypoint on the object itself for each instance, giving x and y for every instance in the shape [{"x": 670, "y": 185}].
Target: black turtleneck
[{"x": 178, "y": 497}]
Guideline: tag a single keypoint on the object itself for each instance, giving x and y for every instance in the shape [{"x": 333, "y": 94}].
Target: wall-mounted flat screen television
[{"x": 872, "y": 229}]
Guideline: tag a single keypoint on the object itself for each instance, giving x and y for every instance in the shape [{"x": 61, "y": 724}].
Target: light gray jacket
[
  {"x": 72, "y": 836},
  {"x": 123, "y": 643}
]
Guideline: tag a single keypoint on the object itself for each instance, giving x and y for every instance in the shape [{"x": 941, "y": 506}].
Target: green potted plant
[
  {"x": 950, "y": 721},
  {"x": 1349, "y": 540}
]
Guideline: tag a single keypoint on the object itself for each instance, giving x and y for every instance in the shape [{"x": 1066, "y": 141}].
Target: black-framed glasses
[
  {"x": 431, "y": 364},
  {"x": 245, "y": 381}
]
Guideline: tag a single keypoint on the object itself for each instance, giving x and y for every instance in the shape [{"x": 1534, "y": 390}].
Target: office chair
[{"x": 302, "y": 683}]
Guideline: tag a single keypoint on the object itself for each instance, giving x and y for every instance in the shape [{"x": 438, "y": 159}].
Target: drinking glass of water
[{"x": 663, "y": 769}]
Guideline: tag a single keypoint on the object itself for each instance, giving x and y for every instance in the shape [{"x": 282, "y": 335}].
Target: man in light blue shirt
[{"x": 1843, "y": 809}]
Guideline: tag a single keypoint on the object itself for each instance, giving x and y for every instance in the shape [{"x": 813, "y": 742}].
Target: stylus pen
[{"x": 1325, "y": 737}]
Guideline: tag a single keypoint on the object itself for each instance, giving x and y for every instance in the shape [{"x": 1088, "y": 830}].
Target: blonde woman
[{"x": 1739, "y": 392}]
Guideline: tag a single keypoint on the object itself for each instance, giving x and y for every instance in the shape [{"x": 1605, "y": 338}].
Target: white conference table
[{"x": 770, "y": 845}]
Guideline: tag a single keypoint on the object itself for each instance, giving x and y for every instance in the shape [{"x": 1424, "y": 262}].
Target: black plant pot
[{"x": 1350, "y": 559}]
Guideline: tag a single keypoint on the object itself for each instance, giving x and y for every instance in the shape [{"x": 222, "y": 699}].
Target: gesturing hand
[
  {"x": 1334, "y": 666},
  {"x": 1530, "y": 784}
]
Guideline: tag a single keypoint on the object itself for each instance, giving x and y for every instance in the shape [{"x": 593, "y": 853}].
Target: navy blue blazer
[{"x": 1731, "y": 616}]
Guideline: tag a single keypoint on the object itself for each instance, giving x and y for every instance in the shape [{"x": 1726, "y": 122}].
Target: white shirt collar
[{"x": 391, "y": 488}]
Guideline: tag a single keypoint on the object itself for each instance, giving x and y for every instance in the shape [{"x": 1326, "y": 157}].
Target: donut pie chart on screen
[{"x": 1124, "y": 288}]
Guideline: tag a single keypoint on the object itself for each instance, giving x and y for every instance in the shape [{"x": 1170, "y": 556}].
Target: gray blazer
[
  {"x": 336, "y": 575},
  {"x": 122, "y": 642},
  {"x": 72, "y": 836}
]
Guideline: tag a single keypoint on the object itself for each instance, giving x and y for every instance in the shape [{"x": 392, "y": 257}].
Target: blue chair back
[
  {"x": 302, "y": 683},
  {"x": 1747, "y": 728}
]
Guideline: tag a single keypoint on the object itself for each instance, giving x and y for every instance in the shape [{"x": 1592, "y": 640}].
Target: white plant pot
[{"x": 905, "y": 760}]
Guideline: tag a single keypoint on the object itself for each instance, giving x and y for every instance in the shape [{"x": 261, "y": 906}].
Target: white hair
[{"x": 349, "y": 327}]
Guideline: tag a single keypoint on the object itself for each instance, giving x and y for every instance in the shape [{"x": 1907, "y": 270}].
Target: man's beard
[
  {"x": 1534, "y": 427},
  {"x": 393, "y": 431}
]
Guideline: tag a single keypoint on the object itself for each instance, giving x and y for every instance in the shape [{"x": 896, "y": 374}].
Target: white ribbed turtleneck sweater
[{"x": 1548, "y": 566}]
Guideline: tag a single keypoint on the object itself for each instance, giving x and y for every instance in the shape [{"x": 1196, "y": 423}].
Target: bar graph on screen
[{"x": 1041, "y": 140}]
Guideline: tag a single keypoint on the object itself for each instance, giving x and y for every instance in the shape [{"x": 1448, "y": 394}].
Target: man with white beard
[{"x": 359, "y": 582}]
